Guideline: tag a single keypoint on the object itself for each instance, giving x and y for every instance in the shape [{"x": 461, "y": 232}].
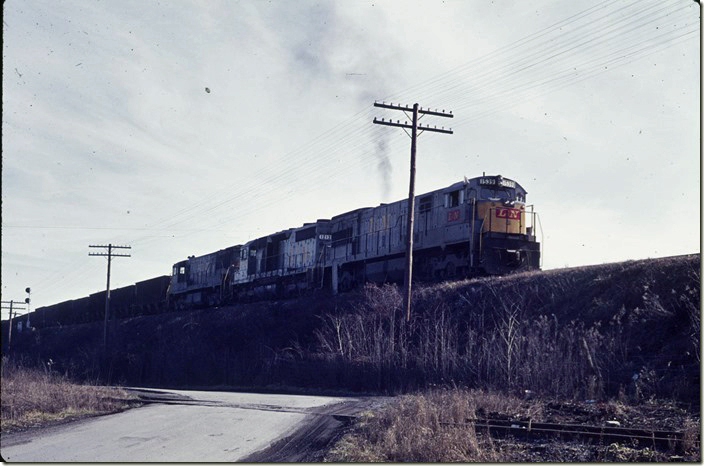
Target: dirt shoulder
[{"x": 321, "y": 430}]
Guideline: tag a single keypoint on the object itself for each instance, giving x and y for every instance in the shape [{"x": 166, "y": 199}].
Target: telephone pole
[
  {"x": 109, "y": 255},
  {"x": 414, "y": 127},
  {"x": 12, "y": 307}
]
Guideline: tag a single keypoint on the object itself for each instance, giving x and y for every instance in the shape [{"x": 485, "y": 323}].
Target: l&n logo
[
  {"x": 453, "y": 215},
  {"x": 511, "y": 214}
]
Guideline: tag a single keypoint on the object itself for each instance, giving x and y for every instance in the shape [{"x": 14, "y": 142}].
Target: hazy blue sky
[{"x": 109, "y": 134}]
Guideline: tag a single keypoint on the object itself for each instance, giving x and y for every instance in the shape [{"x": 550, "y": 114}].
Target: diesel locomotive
[{"x": 478, "y": 226}]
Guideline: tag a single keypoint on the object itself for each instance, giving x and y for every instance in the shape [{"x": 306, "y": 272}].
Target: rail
[{"x": 661, "y": 439}]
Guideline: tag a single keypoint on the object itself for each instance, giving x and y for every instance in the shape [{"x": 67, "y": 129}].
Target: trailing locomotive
[{"x": 477, "y": 226}]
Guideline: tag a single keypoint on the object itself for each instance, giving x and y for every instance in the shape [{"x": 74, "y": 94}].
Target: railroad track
[{"x": 655, "y": 438}]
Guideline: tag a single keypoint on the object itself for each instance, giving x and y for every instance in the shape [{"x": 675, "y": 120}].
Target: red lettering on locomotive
[
  {"x": 511, "y": 214},
  {"x": 453, "y": 215}
]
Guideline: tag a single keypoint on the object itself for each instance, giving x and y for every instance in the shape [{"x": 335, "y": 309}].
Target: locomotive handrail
[
  {"x": 542, "y": 239},
  {"x": 471, "y": 237},
  {"x": 481, "y": 235}
]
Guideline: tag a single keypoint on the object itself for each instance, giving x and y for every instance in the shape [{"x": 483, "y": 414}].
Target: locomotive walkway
[{"x": 191, "y": 426}]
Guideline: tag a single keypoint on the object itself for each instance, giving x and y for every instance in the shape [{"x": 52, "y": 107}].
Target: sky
[{"x": 183, "y": 127}]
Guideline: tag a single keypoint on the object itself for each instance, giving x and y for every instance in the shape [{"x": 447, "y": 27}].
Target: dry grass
[
  {"x": 431, "y": 427},
  {"x": 428, "y": 428},
  {"x": 32, "y": 397}
]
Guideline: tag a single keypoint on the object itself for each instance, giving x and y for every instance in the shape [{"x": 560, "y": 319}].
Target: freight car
[
  {"x": 145, "y": 297},
  {"x": 478, "y": 226}
]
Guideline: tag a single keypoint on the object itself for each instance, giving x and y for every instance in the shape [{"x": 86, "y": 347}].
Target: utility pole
[
  {"x": 414, "y": 127},
  {"x": 12, "y": 307},
  {"x": 109, "y": 255}
]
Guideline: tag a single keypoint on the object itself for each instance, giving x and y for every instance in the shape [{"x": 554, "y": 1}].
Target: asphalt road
[{"x": 194, "y": 426}]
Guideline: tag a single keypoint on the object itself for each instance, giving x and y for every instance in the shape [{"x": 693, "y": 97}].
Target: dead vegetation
[
  {"x": 628, "y": 330},
  {"x": 432, "y": 427},
  {"x": 424, "y": 429},
  {"x": 37, "y": 397}
]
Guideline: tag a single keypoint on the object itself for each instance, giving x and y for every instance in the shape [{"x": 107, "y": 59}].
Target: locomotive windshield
[
  {"x": 503, "y": 194},
  {"x": 498, "y": 188}
]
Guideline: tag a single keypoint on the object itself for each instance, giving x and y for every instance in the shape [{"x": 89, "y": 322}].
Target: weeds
[
  {"x": 433, "y": 426},
  {"x": 628, "y": 330},
  {"x": 32, "y": 397},
  {"x": 429, "y": 428}
]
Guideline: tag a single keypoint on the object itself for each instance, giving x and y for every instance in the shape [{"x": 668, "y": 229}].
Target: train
[{"x": 478, "y": 226}]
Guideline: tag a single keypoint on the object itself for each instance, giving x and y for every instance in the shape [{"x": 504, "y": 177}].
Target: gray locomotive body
[{"x": 476, "y": 226}]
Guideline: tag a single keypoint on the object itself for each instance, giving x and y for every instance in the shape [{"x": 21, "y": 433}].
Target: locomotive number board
[{"x": 500, "y": 182}]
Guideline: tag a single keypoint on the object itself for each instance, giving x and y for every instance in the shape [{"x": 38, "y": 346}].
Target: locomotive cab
[{"x": 503, "y": 227}]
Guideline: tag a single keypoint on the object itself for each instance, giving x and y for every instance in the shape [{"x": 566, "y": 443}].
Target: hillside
[{"x": 628, "y": 329}]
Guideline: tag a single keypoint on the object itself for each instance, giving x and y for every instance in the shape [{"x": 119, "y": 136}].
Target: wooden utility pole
[
  {"x": 109, "y": 255},
  {"x": 414, "y": 127},
  {"x": 12, "y": 307}
]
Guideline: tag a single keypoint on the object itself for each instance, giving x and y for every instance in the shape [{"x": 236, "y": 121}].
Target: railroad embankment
[{"x": 627, "y": 330}]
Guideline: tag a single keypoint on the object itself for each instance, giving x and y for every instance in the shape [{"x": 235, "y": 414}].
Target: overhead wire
[
  {"x": 244, "y": 192},
  {"x": 533, "y": 36},
  {"x": 527, "y": 65},
  {"x": 528, "y": 60},
  {"x": 497, "y": 52},
  {"x": 597, "y": 69}
]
